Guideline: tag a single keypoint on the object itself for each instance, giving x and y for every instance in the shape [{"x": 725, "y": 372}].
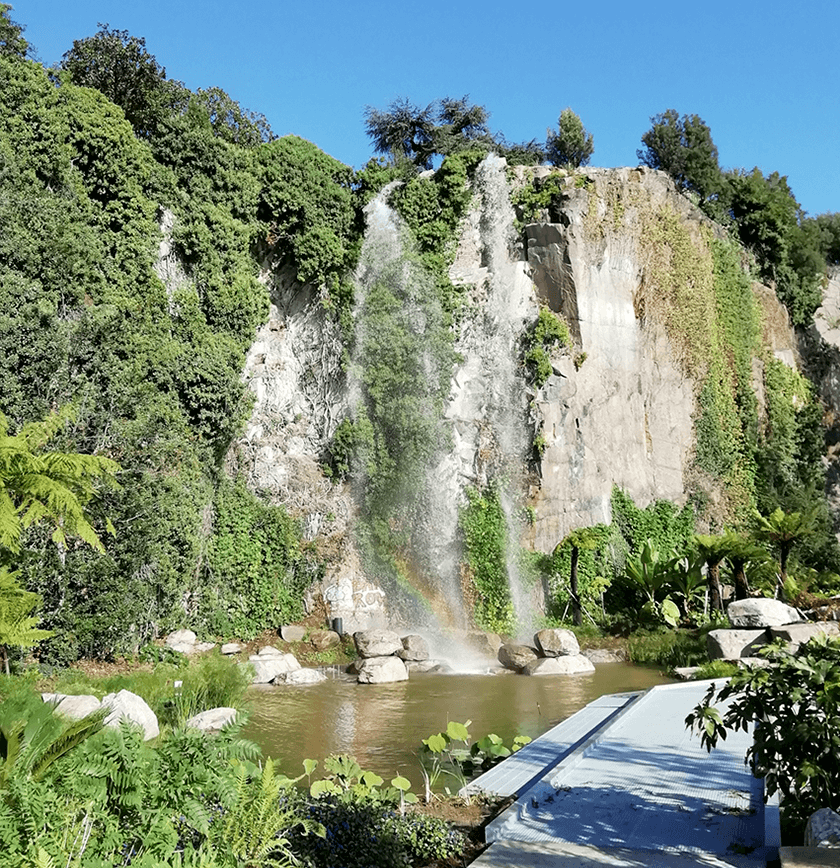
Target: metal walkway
[{"x": 638, "y": 789}]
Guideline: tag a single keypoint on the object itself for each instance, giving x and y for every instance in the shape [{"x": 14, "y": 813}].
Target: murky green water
[{"x": 382, "y": 725}]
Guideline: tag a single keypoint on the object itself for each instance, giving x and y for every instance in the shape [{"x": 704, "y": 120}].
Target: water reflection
[{"x": 382, "y": 725}]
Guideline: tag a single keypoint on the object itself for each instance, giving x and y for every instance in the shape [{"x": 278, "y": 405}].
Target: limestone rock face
[
  {"x": 733, "y": 644},
  {"x": 268, "y": 666},
  {"x": 377, "y": 643},
  {"x": 759, "y": 612},
  {"x": 300, "y": 676},
  {"x": 571, "y": 664},
  {"x": 414, "y": 648},
  {"x": 381, "y": 670},
  {"x": 212, "y": 720},
  {"x": 126, "y": 705},
  {"x": 556, "y": 642},
  {"x": 75, "y": 707},
  {"x": 516, "y": 656}
]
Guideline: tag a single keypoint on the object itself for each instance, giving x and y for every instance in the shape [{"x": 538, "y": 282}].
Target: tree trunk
[
  {"x": 713, "y": 577},
  {"x": 573, "y": 581},
  {"x": 742, "y": 589},
  {"x": 784, "y": 551}
]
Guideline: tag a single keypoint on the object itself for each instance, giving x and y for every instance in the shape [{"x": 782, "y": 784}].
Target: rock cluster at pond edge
[{"x": 557, "y": 652}]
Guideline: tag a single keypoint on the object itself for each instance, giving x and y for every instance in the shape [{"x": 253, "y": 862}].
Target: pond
[{"x": 383, "y": 725}]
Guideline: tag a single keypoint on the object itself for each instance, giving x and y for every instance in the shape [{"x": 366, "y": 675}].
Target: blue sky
[{"x": 763, "y": 74}]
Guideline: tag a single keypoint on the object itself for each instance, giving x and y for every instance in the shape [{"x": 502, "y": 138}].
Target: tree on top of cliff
[
  {"x": 12, "y": 42},
  {"x": 572, "y": 145},
  {"x": 683, "y": 147}
]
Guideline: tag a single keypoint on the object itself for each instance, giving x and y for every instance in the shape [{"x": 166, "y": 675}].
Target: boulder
[
  {"x": 212, "y": 720},
  {"x": 556, "y": 642},
  {"x": 129, "y": 706},
  {"x": 414, "y": 647},
  {"x": 381, "y": 670},
  {"x": 377, "y": 643},
  {"x": 569, "y": 664},
  {"x": 181, "y": 640},
  {"x": 798, "y": 634},
  {"x": 485, "y": 643},
  {"x": 323, "y": 639},
  {"x": 75, "y": 707},
  {"x": 292, "y": 633},
  {"x": 733, "y": 644},
  {"x": 424, "y": 666},
  {"x": 268, "y": 666},
  {"x": 270, "y": 651},
  {"x": 516, "y": 656},
  {"x": 604, "y": 655},
  {"x": 823, "y": 829},
  {"x": 232, "y": 648},
  {"x": 761, "y": 612},
  {"x": 203, "y": 647},
  {"x": 300, "y": 676}
]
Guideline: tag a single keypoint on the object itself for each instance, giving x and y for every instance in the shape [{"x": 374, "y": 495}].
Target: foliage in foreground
[{"x": 796, "y": 703}]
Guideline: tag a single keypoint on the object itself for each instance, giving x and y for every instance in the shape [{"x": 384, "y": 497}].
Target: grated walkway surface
[{"x": 643, "y": 783}]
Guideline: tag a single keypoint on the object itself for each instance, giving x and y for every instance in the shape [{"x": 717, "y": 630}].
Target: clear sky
[{"x": 763, "y": 74}]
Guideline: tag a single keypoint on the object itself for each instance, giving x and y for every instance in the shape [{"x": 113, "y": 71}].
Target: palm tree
[
  {"x": 582, "y": 539},
  {"x": 784, "y": 530}
]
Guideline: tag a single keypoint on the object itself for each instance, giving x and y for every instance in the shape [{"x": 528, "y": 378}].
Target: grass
[{"x": 668, "y": 649}]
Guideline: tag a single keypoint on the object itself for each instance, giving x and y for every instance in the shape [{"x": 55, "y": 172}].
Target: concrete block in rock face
[
  {"x": 382, "y": 670},
  {"x": 823, "y": 829},
  {"x": 232, "y": 648},
  {"x": 377, "y": 643},
  {"x": 413, "y": 648},
  {"x": 604, "y": 655},
  {"x": 212, "y": 720},
  {"x": 733, "y": 644},
  {"x": 569, "y": 664},
  {"x": 323, "y": 639},
  {"x": 516, "y": 656},
  {"x": 761, "y": 612},
  {"x": 300, "y": 676},
  {"x": 292, "y": 633},
  {"x": 129, "y": 706},
  {"x": 179, "y": 638},
  {"x": 798, "y": 634},
  {"x": 556, "y": 642},
  {"x": 75, "y": 707},
  {"x": 268, "y": 666}
]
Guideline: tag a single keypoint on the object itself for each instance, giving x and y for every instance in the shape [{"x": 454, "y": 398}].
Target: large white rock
[
  {"x": 212, "y": 720},
  {"x": 75, "y": 707},
  {"x": 569, "y": 664},
  {"x": 270, "y": 651},
  {"x": 126, "y": 705},
  {"x": 761, "y": 612},
  {"x": 232, "y": 648},
  {"x": 798, "y": 634},
  {"x": 180, "y": 638},
  {"x": 377, "y": 643},
  {"x": 414, "y": 648},
  {"x": 268, "y": 666},
  {"x": 823, "y": 830},
  {"x": 300, "y": 676},
  {"x": 556, "y": 642},
  {"x": 381, "y": 670},
  {"x": 514, "y": 657},
  {"x": 734, "y": 644},
  {"x": 292, "y": 633}
]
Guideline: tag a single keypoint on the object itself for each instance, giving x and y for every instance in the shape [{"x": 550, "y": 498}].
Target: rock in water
[
  {"x": 569, "y": 664},
  {"x": 556, "y": 642},
  {"x": 761, "y": 612},
  {"x": 381, "y": 670},
  {"x": 377, "y": 643},
  {"x": 212, "y": 720},
  {"x": 413, "y": 648},
  {"x": 516, "y": 656},
  {"x": 268, "y": 666},
  {"x": 300, "y": 676},
  {"x": 126, "y": 705}
]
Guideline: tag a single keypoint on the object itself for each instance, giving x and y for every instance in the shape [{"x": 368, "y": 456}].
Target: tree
[
  {"x": 56, "y": 487},
  {"x": 784, "y": 530},
  {"x": 231, "y": 122},
  {"x": 571, "y": 145},
  {"x": 582, "y": 539},
  {"x": 683, "y": 148},
  {"x": 12, "y": 43},
  {"x": 118, "y": 65}
]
